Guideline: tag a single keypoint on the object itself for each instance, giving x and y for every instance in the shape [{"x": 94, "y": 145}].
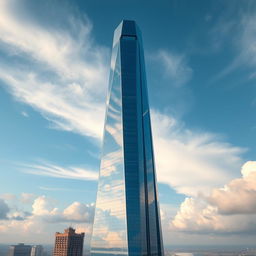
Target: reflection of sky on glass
[
  {"x": 109, "y": 229},
  {"x": 127, "y": 189}
]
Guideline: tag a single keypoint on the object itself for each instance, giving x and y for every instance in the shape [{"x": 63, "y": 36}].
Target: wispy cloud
[
  {"x": 237, "y": 30},
  {"x": 25, "y": 114},
  {"x": 46, "y": 188},
  {"x": 71, "y": 96},
  {"x": 205, "y": 159},
  {"x": 175, "y": 67},
  {"x": 51, "y": 170}
]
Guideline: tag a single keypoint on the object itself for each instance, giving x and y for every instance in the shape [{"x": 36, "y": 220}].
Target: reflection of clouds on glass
[
  {"x": 108, "y": 170},
  {"x": 115, "y": 112},
  {"x": 107, "y": 188},
  {"x": 113, "y": 126},
  {"x": 111, "y": 198},
  {"x": 150, "y": 181},
  {"x": 114, "y": 129},
  {"x": 113, "y": 59},
  {"x": 117, "y": 136},
  {"x": 114, "y": 106},
  {"x": 110, "y": 163},
  {"x": 115, "y": 239},
  {"x": 109, "y": 231},
  {"x": 116, "y": 99},
  {"x": 110, "y": 227}
]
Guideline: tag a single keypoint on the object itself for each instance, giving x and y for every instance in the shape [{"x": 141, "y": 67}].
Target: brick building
[{"x": 68, "y": 243}]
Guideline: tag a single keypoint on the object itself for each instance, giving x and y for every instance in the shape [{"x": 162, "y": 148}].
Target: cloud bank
[
  {"x": 43, "y": 219},
  {"x": 230, "y": 209}
]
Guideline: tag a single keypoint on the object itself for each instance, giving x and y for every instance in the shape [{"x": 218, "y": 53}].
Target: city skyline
[{"x": 54, "y": 65}]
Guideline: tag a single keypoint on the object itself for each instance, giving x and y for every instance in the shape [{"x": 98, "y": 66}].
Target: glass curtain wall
[{"x": 127, "y": 220}]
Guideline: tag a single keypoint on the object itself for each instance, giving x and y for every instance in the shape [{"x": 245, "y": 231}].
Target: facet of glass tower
[{"x": 127, "y": 219}]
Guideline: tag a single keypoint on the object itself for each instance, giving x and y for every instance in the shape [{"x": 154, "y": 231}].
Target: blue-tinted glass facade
[{"x": 127, "y": 220}]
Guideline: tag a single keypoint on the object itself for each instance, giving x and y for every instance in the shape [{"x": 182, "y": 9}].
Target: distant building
[
  {"x": 68, "y": 243},
  {"x": 19, "y": 250},
  {"x": 37, "y": 250}
]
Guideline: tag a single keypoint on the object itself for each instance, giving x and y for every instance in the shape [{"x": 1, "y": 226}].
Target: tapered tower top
[{"x": 127, "y": 28}]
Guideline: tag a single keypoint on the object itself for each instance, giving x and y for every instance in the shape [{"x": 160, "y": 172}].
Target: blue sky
[{"x": 54, "y": 66}]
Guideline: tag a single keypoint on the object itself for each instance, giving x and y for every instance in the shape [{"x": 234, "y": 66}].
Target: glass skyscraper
[{"x": 127, "y": 219}]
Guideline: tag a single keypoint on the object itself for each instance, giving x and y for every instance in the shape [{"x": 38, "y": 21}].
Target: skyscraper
[
  {"x": 68, "y": 243},
  {"x": 37, "y": 250},
  {"x": 127, "y": 219},
  {"x": 19, "y": 250}
]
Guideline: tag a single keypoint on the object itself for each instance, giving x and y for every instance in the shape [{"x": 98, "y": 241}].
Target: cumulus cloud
[
  {"x": 175, "y": 67},
  {"x": 45, "y": 218},
  {"x": 231, "y": 209},
  {"x": 78, "y": 212},
  {"x": 46, "y": 209},
  {"x": 43, "y": 206},
  {"x": 239, "y": 195}
]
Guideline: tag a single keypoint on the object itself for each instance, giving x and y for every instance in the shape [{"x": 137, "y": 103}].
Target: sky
[{"x": 201, "y": 72}]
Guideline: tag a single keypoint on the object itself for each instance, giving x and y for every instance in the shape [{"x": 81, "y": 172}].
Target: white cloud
[
  {"x": 240, "y": 33},
  {"x": 46, "y": 209},
  {"x": 192, "y": 162},
  {"x": 231, "y": 209},
  {"x": 175, "y": 67},
  {"x": 43, "y": 206},
  {"x": 70, "y": 56},
  {"x": 44, "y": 220},
  {"x": 59, "y": 189},
  {"x": 247, "y": 39},
  {"x": 78, "y": 212},
  {"x": 239, "y": 195},
  {"x": 84, "y": 228},
  {"x": 248, "y": 168},
  {"x": 76, "y": 71},
  {"x": 61, "y": 172}
]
